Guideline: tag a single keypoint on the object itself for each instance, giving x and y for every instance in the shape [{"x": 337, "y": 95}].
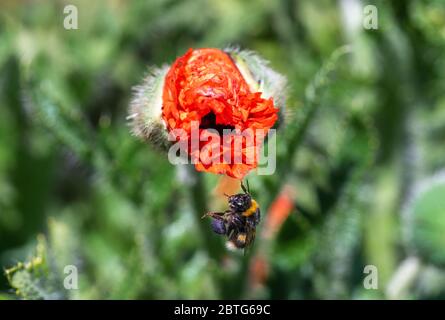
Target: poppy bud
[
  {"x": 220, "y": 95},
  {"x": 145, "y": 114}
]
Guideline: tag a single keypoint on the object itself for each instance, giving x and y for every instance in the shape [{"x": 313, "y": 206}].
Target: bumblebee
[{"x": 239, "y": 222}]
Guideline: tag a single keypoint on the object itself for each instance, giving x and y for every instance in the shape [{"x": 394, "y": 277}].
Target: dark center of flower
[{"x": 209, "y": 122}]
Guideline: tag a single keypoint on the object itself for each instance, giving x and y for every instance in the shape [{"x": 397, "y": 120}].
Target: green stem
[{"x": 198, "y": 199}]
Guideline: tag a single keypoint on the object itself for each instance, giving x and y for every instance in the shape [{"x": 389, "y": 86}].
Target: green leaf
[{"x": 34, "y": 280}]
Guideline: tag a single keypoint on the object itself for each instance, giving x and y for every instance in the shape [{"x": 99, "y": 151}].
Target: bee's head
[{"x": 240, "y": 202}]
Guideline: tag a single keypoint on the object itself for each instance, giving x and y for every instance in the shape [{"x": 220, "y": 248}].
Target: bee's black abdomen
[
  {"x": 238, "y": 240},
  {"x": 218, "y": 226}
]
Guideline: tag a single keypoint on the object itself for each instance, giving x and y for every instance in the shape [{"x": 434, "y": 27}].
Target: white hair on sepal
[
  {"x": 145, "y": 111},
  {"x": 261, "y": 77}
]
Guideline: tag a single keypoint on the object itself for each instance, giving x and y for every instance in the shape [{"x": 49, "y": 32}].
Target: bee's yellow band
[{"x": 251, "y": 210}]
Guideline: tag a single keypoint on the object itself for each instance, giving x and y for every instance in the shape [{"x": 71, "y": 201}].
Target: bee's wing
[
  {"x": 250, "y": 235},
  {"x": 251, "y": 232},
  {"x": 254, "y": 219},
  {"x": 257, "y": 216}
]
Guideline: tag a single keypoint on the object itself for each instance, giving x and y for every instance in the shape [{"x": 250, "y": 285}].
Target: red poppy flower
[
  {"x": 206, "y": 86},
  {"x": 227, "y": 96}
]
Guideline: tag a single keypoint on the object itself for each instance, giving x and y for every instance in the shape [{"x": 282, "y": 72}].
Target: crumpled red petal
[{"x": 207, "y": 81}]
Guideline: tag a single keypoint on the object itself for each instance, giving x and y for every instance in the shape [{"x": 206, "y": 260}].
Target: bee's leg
[
  {"x": 214, "y": 215},
  {"x": 218, "y": 222}
]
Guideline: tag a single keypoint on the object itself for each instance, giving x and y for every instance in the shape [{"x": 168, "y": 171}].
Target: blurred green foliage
[{"x": 365, "y": 126}]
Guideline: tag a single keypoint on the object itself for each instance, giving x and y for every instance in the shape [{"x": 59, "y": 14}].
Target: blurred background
[{"x": 358, "y": 180}]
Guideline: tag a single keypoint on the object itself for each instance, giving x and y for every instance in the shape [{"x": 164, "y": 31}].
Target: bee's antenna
[
  {"x": 226, "y": 195},
  {"x": 243, "y": 187},
  {"x": 246, "y": 190}
]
